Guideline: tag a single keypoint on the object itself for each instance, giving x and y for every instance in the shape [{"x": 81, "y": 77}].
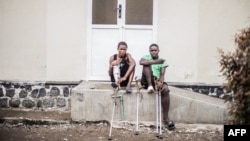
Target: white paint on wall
[
  {"x": 22, "y": 40},
  {"x": 219, "y": 20},
  {"x": 46, "y": 40},
  {"x": 178, "y": 38},
  {"x": 66, "y": 40},
  {"x": 43, "y": 40}
]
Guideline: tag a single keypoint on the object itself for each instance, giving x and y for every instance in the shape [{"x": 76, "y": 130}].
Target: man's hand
[
  {"x": 121, "y": 79},
  {"x": 115, "y": 62},
  {"x": 160, "y": 61},
  {"x": 159, "y": 85}
]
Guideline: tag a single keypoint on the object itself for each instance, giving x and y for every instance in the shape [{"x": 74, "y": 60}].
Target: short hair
[
  {"x": 122, "y": 43},
  {"x": 153, "y": 45}
]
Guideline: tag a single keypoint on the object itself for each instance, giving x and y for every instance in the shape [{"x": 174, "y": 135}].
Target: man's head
[
  {"x": 122, "y": 48},
  {"x": 154, "y": 50}
]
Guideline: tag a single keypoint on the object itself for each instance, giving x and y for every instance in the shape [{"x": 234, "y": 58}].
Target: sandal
[
  {"x": 114, "y": 85},
  {"x": 170, "y": 125},
  {"x": 128, "y": 90}
]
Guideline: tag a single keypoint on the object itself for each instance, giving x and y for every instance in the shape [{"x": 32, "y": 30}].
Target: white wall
[
  {"x": 22, "y": 40},
  {"x": 66, "y": 40},
  {"x": 219, "y": 20},
  {"x": 178, "y": 38},
  {"x": 189, "y": 33},
  {"x": 43, "y": 40},
  {"x": 46, "y": 40}
]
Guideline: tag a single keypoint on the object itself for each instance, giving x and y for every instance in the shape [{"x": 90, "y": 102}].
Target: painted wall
[
  {"x": 23, "y": 40},
  {"x": 66, "y": 40},
  {"x": 189, "y": 33},
  {"x": 46, "y": 40},
  {"x": 178, "y": 38},
  {"x": 43, "y": 40},
  {"x": 219, "y": 20}
]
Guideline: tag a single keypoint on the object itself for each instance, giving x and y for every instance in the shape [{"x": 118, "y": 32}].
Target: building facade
[{"x": 71, "y": 40}]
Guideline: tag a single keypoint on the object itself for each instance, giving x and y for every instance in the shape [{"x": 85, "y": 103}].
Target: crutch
[
  {"x": 157, "y": 106},
  {"x": 137, "y": 105},
  {"x": 158, "y": 110},
  {"x": 113, "y": 112},
  {"x": 116, "y": 73}
]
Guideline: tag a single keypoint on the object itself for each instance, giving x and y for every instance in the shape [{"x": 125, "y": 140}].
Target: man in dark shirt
[{"x": 122, "y": 67}]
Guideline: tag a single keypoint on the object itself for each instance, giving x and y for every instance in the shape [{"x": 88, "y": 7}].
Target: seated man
[
  {"x": 122, "y": 67},
  {"x": 154, "y": 67}
]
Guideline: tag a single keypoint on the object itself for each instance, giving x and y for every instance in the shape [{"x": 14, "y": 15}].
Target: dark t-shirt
[
  {"x": 123, "y": 65},
  {"x": 123, "y": 69}
]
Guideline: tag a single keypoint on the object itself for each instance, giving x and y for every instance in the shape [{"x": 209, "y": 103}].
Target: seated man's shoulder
[{"x": 148, "y": 57}]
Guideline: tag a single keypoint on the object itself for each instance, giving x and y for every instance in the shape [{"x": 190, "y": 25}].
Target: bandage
[{"x": 116, "y": 72}]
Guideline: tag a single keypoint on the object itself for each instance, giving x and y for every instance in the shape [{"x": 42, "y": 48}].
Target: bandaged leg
[{"x": 116, "y": 73}]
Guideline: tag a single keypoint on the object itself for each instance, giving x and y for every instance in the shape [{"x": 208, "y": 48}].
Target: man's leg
[
  {"x": 113, "y": 83},
  {"x": 165, "y": 102},
  {"x": 147, "y": 72},
  {"x": 144, "y": 82},
  {"x": 115, "y": 76},
  {"x": 128, "y": 82},
  {"x": 165, "y": 106},
  {"x": 130, "y": 79}
]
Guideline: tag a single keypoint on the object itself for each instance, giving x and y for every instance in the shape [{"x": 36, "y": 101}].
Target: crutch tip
[
  {"x": 160, "y": 137},
  {"x": 136, "y": 133},
  {"x": 110, "y": 138}
]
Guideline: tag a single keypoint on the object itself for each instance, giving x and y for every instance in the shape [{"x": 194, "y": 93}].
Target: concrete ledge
[
  {"x": 190, "y": 107},
  {"x": 92, "y": 101}
]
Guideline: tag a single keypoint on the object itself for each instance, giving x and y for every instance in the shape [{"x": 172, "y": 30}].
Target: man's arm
[
  {"x": 163, "y": 70},
  {"x": 150, "y": 62},
  {"x": 132, "y": 64},
  {"x": 161, "y": 80},
  {"x": 111, "y": 60}
]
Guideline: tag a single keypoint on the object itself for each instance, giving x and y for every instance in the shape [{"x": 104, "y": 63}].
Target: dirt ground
[
  {"x": 27, "y": 126},
  {"x": 100, "y": 132}
]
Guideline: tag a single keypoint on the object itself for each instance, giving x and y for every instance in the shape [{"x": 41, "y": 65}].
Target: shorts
[{"x": 144, "y": 82}]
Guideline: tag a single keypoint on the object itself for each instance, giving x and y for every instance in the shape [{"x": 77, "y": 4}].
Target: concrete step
[{"x": 92, "y": 101}]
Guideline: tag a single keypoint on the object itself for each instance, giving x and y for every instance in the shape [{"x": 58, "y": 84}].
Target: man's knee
[
  {"x": 146, "y": 68},
  {"x": 166, "y": 89}
]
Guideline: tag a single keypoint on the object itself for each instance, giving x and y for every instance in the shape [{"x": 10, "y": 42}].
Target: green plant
[{"x": 235, "y": 66}]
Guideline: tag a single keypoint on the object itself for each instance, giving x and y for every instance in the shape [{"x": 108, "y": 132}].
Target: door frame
[{"x": 90, "y": 26}]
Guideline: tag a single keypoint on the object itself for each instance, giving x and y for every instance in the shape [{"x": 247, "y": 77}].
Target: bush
[{"x": 235, "y": 66}]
